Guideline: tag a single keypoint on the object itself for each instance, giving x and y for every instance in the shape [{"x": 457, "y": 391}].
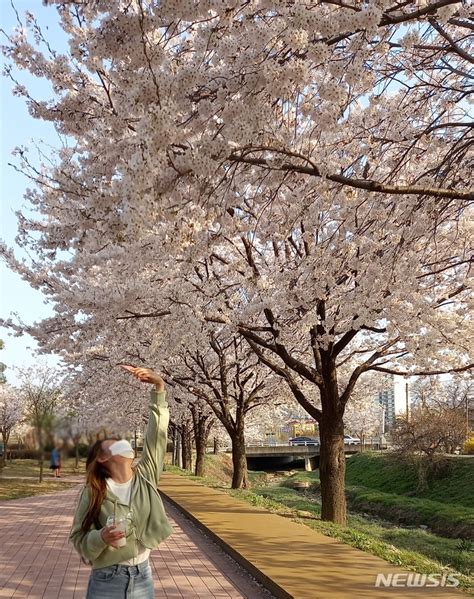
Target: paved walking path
[
  {"x": 37, "y": 562},
  {"x": 296, "y": 561}
]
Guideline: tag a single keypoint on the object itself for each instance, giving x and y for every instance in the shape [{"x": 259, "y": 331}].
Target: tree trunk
[
  {"x": 239, "y": 461},
  {"x": 41, "y": 454},
  {"x": 184, "y": 457},
  {"x": 201, "y": 435},
  {"x": 200, "y": 454},
  {"x": 332, "y": 468},
  {"x": 173, "y": 441},
  {"x": 186, "y": 446},
  {"x": 76, "y": 454},
  {"x": 179, "y": 455},
  {"x": 41, "y": 464},
  {"x": 175, "y": 460},
  {"x": 202, "y": 424},
  {"x": 3, "y": 457},
  {"x": 216, "y": 446}
]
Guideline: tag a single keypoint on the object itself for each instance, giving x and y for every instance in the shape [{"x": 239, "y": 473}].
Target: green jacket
[{"x": 146, "y": 518}]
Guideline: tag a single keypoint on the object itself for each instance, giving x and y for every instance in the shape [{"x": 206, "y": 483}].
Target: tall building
[{"x": 395, "y": 399}]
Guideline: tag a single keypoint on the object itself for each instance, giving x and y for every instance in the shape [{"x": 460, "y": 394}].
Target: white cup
[{"x": 120, "y": 524}]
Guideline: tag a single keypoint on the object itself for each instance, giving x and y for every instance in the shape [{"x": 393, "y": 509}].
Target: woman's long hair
[{"x": 96, "y": 475}]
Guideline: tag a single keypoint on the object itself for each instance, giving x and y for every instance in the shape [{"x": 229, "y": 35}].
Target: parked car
[
  {"x": 348, "y": 440},
  {"x": 304, "y": 441}
]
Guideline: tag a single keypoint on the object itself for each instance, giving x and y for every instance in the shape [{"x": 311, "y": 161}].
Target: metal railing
[
  {"x": 372, "y": 444},
  {"x": 266, "y": 444}
]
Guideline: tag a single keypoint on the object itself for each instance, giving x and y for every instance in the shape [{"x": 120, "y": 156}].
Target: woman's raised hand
[{"x": 146, "y": 376}]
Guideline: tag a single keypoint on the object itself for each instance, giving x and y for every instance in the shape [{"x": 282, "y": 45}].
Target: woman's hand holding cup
[{"x": 112, "y": 535}]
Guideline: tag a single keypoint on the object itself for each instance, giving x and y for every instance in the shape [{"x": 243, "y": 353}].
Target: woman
[{"x": 113, "y": 490}]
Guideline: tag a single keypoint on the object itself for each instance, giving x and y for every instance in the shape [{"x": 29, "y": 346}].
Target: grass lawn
[
  {"x": 453, "y": 484},
  {"x": 378, "y": 485},
  {"x": 14, "y": 488},
  {"x": 381, "y": 485},
  {"x": 31, "y": 468},
  {"x": 449, "y": 519}
]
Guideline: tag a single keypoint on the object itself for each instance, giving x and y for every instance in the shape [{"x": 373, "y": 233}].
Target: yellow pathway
[{"x": 293, "y": 560}]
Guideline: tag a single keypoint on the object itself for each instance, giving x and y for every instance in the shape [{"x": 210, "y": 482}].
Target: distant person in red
[{"x": 55, "y": 465}]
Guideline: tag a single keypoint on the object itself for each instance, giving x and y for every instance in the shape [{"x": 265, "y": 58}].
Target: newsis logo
[{"x": 412, "y": 579}]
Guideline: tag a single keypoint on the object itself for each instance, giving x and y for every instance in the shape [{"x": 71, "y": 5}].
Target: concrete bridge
[{"x": 282, "y": 455}]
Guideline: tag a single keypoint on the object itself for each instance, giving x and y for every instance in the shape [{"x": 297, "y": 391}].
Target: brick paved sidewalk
[{"x": 37, "y": 562}]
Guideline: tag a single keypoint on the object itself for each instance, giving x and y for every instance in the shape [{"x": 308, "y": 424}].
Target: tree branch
[
  {"x": 299, "y": 395},
  {"x": 367, "y": 184},
  {"x": 422, "y": 372}
]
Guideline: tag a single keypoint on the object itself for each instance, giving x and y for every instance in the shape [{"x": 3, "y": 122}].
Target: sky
[{"x": 17, "y": 128}]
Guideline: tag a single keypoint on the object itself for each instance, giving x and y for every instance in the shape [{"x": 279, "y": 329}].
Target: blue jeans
[{"x": 121, "y": 582}]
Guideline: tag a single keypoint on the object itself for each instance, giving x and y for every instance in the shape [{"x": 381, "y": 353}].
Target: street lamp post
[
  {"x": 467, "y": 416},
  {"x": 406, "y": 398},
  {"x": 382, "y": 426}
]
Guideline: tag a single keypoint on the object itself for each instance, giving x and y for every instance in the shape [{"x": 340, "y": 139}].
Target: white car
[{"x": 348, "y": 440}]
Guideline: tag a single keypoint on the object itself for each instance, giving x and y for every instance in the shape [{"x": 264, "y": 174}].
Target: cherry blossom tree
[
  {"x": 364, "y": 418},
  {"x": 80, "y": 415},
  {"x": 364, "y": 414},
  {"x": 191, "y": 422},
  {"x": 266, "y": 84},
  {"x": 304, "y": 168},
  {"x": 266, "y": 421},
  {"x": 107, "y": 400},
  {"x": 183, "y": 435},
  {"x": 11, "y": 410},
  {"x": 427, "y": 391},
  {"x": 40, "y": 394},
  {"x": 226, "y": 376}
]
